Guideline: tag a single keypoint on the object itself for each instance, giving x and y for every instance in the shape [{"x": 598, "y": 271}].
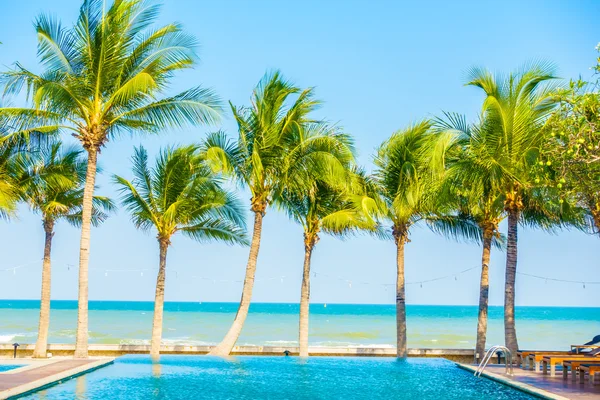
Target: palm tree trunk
[
  {"x": 484, "y": 286},
  {"x": 41, "y": 344},
  {"x": 224, "y": 348},
  {"x": 159, "y": 301},
  {"x": 596, "y": 218},
  {"x": 401, "y": 351},
  {"x": 81, "y": 340},
  {"x": 510, "y": 332},
  {"x": 305, "y": 297}
]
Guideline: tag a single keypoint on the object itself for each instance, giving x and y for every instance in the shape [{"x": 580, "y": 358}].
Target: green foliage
[
  {"x": 410, "y": 166},
  {"x": 181, "y": 194},
  {"x": 514, "y": 109},
  {"x": 514, "y": 112},
  {"x": 571, "y": 152},
  {"x": 471, "y": 200},
  {"x": 10, "y": 191},
  {"x": 104, "y": 76},
  {"x": 280, "y": 147},
  {"x": 51, "y": 182},
  {"x": 340, "y": 209}
]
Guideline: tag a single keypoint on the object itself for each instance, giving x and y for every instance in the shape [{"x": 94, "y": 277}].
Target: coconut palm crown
[{"x": 107, "y": 75}]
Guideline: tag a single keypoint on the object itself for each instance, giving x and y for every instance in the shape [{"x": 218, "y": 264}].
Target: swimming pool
[
  {"x": 6, "y": 367},
  {"x": 198, "y": 377}
]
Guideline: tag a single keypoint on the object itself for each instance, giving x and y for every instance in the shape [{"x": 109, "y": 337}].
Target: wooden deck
[
  {"x": 38, "y": 374},
  {"x": 550, "y": 387}
]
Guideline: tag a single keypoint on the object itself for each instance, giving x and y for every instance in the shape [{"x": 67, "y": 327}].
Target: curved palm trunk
[
  {"x": 41, "y": 344},
  {"x": 81, "y": 341},
  {"x": 159, "y": 301},
  {"x": 510, "y": 332},
  {"x": 305, "y": 298},
  {"x": 401, "y": 350},
  {"x": 224, "y": 348},
  {"x": 484, "y": 286}
]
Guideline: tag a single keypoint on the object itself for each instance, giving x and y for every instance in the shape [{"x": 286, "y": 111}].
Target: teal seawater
[
  {"x": 277, "y": 324},
  {"x": 201, "y": 377}
]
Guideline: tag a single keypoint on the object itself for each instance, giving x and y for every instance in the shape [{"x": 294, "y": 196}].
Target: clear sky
[{"x": 378, "y": 65}]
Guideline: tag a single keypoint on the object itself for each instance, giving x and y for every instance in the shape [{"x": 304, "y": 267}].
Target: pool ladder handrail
[{"x": 488, "y": 356}]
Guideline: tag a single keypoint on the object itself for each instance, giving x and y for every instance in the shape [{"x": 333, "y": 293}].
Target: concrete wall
[{"x": 115, "y": 350}]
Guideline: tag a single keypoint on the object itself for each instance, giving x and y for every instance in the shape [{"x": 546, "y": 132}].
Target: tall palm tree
[
  {"x": 52, "y": 185},
  {"x": 409, "y": 170},
  {"x": 180, "y": 194},
  {"x": 104, "y": 77},
  {"x": 515, "y": 107},
  {"x": 337, "y": 210},
  {"x": 477, "y": 202},
  {"x": 274, "y": 152}
]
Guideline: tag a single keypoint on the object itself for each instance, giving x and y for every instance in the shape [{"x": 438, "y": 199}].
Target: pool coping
[
  {"x": 523, "y": 387},
  {"x": 25, "y": 364},
  {"x": 55, "y": 379}
]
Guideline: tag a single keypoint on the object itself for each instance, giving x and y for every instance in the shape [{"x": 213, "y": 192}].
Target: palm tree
[
  {"x": 180, "y": 194},
  {"x": 52, "y": 184},
  {"x": 102, "y": 78},
  {"x": 515, "y": 107},
  {"x": 477, "y": 203},
  {"x": 409, "y": 169},
  {"x": 273, "y": 153},
  {"x": 338, "y": 210}
]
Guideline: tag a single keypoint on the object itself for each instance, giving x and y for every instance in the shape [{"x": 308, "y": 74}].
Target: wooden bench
[
  {"x": 574, "y": 366},
  {"x": 552, "y": 360},
  {"x": 524, "y": 357},
  {"x": 534, "y": 357},
  {"x": 591, "y": 369}
]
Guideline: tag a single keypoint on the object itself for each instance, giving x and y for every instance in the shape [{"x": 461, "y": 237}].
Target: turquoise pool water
[
  {"x": 4, "y": 367},
  {"x": 197, "y": 377}
]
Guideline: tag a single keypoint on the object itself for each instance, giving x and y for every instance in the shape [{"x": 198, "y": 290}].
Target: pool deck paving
[
  {"x": 541, "y": 385},
  {"x": 37, "y": 374}
]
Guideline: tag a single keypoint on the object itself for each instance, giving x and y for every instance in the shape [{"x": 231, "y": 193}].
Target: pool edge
[
  {"x": 52, "y": 380},
  {"x": 523, "y": 387}
]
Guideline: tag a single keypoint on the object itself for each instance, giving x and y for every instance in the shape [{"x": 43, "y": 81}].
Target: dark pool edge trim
[
  {"x": 523, "y": 387},
  {"x": 59, "y": 378}
]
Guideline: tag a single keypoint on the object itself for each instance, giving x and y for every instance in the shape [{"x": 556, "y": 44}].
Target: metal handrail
[{"x": 488, "y": 356}]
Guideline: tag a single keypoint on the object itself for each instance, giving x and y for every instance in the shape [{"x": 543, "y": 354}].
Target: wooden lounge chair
[
  {"x": 552, "y": 360},
  {"x": 591, "y": 369},
  {"x": 524, "y": 356},
  {"x": 535, "y": 358},
  {"x": 573, "y": 366},
  {"x": 524, "y": 361}
]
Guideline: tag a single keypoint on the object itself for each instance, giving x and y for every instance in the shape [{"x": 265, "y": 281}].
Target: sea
[{"x": 276, "y": 324}]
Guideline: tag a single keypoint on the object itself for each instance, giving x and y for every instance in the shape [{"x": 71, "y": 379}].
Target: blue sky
[{"x": 378, "y": 66}]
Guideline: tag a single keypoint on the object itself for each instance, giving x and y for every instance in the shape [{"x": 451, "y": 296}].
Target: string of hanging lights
[{"x": 316, "y": 274}]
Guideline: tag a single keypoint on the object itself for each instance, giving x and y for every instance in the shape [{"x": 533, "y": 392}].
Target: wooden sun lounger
[
  {"x": 534, "y": 358},
  {"x": 574, "y": 366},
  {"x": 524, "y": 360},
  {"x": 591, "y": 369},
  {"x": 552, "y": 360}
]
